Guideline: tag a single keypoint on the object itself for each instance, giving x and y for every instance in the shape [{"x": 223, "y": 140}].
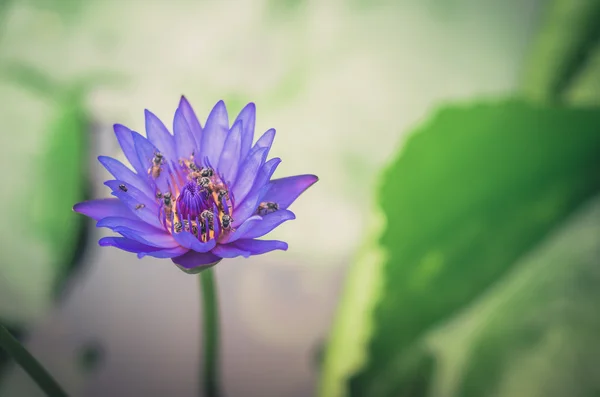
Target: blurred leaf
[
  {"x": 67, "y": 10},
  {"x": 29, "y": 77},
  {"x": 63, "y": 181},
  {"x": 40, "y": 83},
  {"x": 585, "y": 89},
  {"x": 473, "y": 190},
  {"x": 568, "y": 35},
  {"x": 47, "y": 170},
  {"x": 536, "y": 333}
]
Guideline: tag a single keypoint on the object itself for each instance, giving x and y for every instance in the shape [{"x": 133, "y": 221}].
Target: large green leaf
[
  {"x": 473, "y": 190},
  {"x": 568, "y": 34},
  {"x": 536, "y": 333}
]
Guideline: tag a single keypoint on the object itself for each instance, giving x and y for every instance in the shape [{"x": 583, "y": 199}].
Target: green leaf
[
  {"x": 568, "y": 34},
  {"x": 585, "y": 89},
  {"x": 536, "y": 333},
  {"x": 46, "y": 171},
  {"x": 473, "y": 190}
]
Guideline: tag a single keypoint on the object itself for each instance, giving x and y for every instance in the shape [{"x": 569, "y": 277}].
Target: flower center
[
  {"x": 200, "y": 199},
  {"x": 193, "y": 200}
]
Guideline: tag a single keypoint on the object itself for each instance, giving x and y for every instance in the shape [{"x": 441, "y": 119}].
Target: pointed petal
[
  {"x": 137, "y": 225},
  {"x": 146, "y": 152},
  {"x": 160, "y": 136},
  {"x": 137, "y": 202},
  {"x": 243, "y": 211},
  {"x": 265, "y": 141},
  {"x": 125, "y": 137},
  {"x": 165, "y": 253},
  {"x": 102, "y": 208},
  {"x": 188, "y": 240},
  {"x": 214, "y": 134},
  {"x": 160, "y": 240},
  {"x": 122, "y": 173},
  {"x": 268, "y": 223},
  {"x": 248, "y": 118},
  {"x": 195, "y": 262},
  {"x": 285, "y": 191},
  {"x": 244, "y": 228},
  {"x": 230, "y": 157},
  {"x": 229, "y": 251},
  {"x": 258, "y": 247},
  {"x": 190, "y": 117},
  {"x": 185, "y": 143},
  {"x": 125, "y": 244},
  {"x": 247, "y": 175},
  {"x": 266, "y": 172},
  {"x": 246, "y": 207}
]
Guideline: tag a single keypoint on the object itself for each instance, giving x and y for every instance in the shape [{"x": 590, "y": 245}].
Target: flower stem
[
  {"x": 43, "y": 379},
  {"x": 210, "y": 307}
]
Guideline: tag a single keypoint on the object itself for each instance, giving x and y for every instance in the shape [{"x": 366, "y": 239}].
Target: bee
[
  {"x": 167, "y": 199},
  {"x": 267, "y": 207},
  {"x": 193, "y": 229},
  {"x": 157, "y": 161},
  {"x": 178, "y": 227},
  {"x": 159, "y": 195},
  {"x": 207, "y": 218},
  {"x": 207, "y": 172},
  {"x": 139, "y": 206},
  {"x": 226, "y": 222},
  {"x": 189, "y": 163},
  {"x": 203, "y": 182},
  {"x": 123, "y": 187},
  {"x": 222, "y": 193}
]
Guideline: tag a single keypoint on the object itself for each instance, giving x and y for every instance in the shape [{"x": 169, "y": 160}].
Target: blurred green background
[{"x": 458, "y": 146}]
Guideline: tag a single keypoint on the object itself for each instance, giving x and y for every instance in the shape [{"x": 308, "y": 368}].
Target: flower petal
[
  {"x": 248, "y": 118},
  {"x": 166, "y": 253},
  {"x": 121, "y": 172},
  {"x": 230, "y": 157},
  {"x": 146, "y": 152},
  {"x": 188, "y": 240},
  {"x": 243, "y": 211},
  {"x": 185, "y": 143},
  {"x": 266, "y": 172},
  {"x": 229, "y": 251},
  {"x": 195, "y": 262},
  {"x": 161, "y": 240},
  {"x": 214, "y": 134},
  {"x": 268, "y": 223},
  {"x": 102, "y": 208},
  {"x": 125, "y": 137},
  {"x": 258, "y": 247},
  {"x": 244, "y": 228},
  {"x": 244, "y": 208},
  {"x": 285, "y": 191},
  {"x": 137, "y": 202},
  {"x": 125, "y": 244},
  {"x": 247, "y": 175},
  {"x": 160, "y": 136},
  {"x": 265, "y": 141},
  {"x": 137, "y": 225},
  {"x": 192, "y": 121}
]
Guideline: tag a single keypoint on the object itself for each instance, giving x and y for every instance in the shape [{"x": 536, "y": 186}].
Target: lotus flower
[{"x": 198, "y": 195}]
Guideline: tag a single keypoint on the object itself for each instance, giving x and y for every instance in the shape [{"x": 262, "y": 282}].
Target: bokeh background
[{"x": 345, "y": 83}]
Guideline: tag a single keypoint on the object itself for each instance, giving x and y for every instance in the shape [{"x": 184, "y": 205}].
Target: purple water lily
[{"x": 198, "y": 195}]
